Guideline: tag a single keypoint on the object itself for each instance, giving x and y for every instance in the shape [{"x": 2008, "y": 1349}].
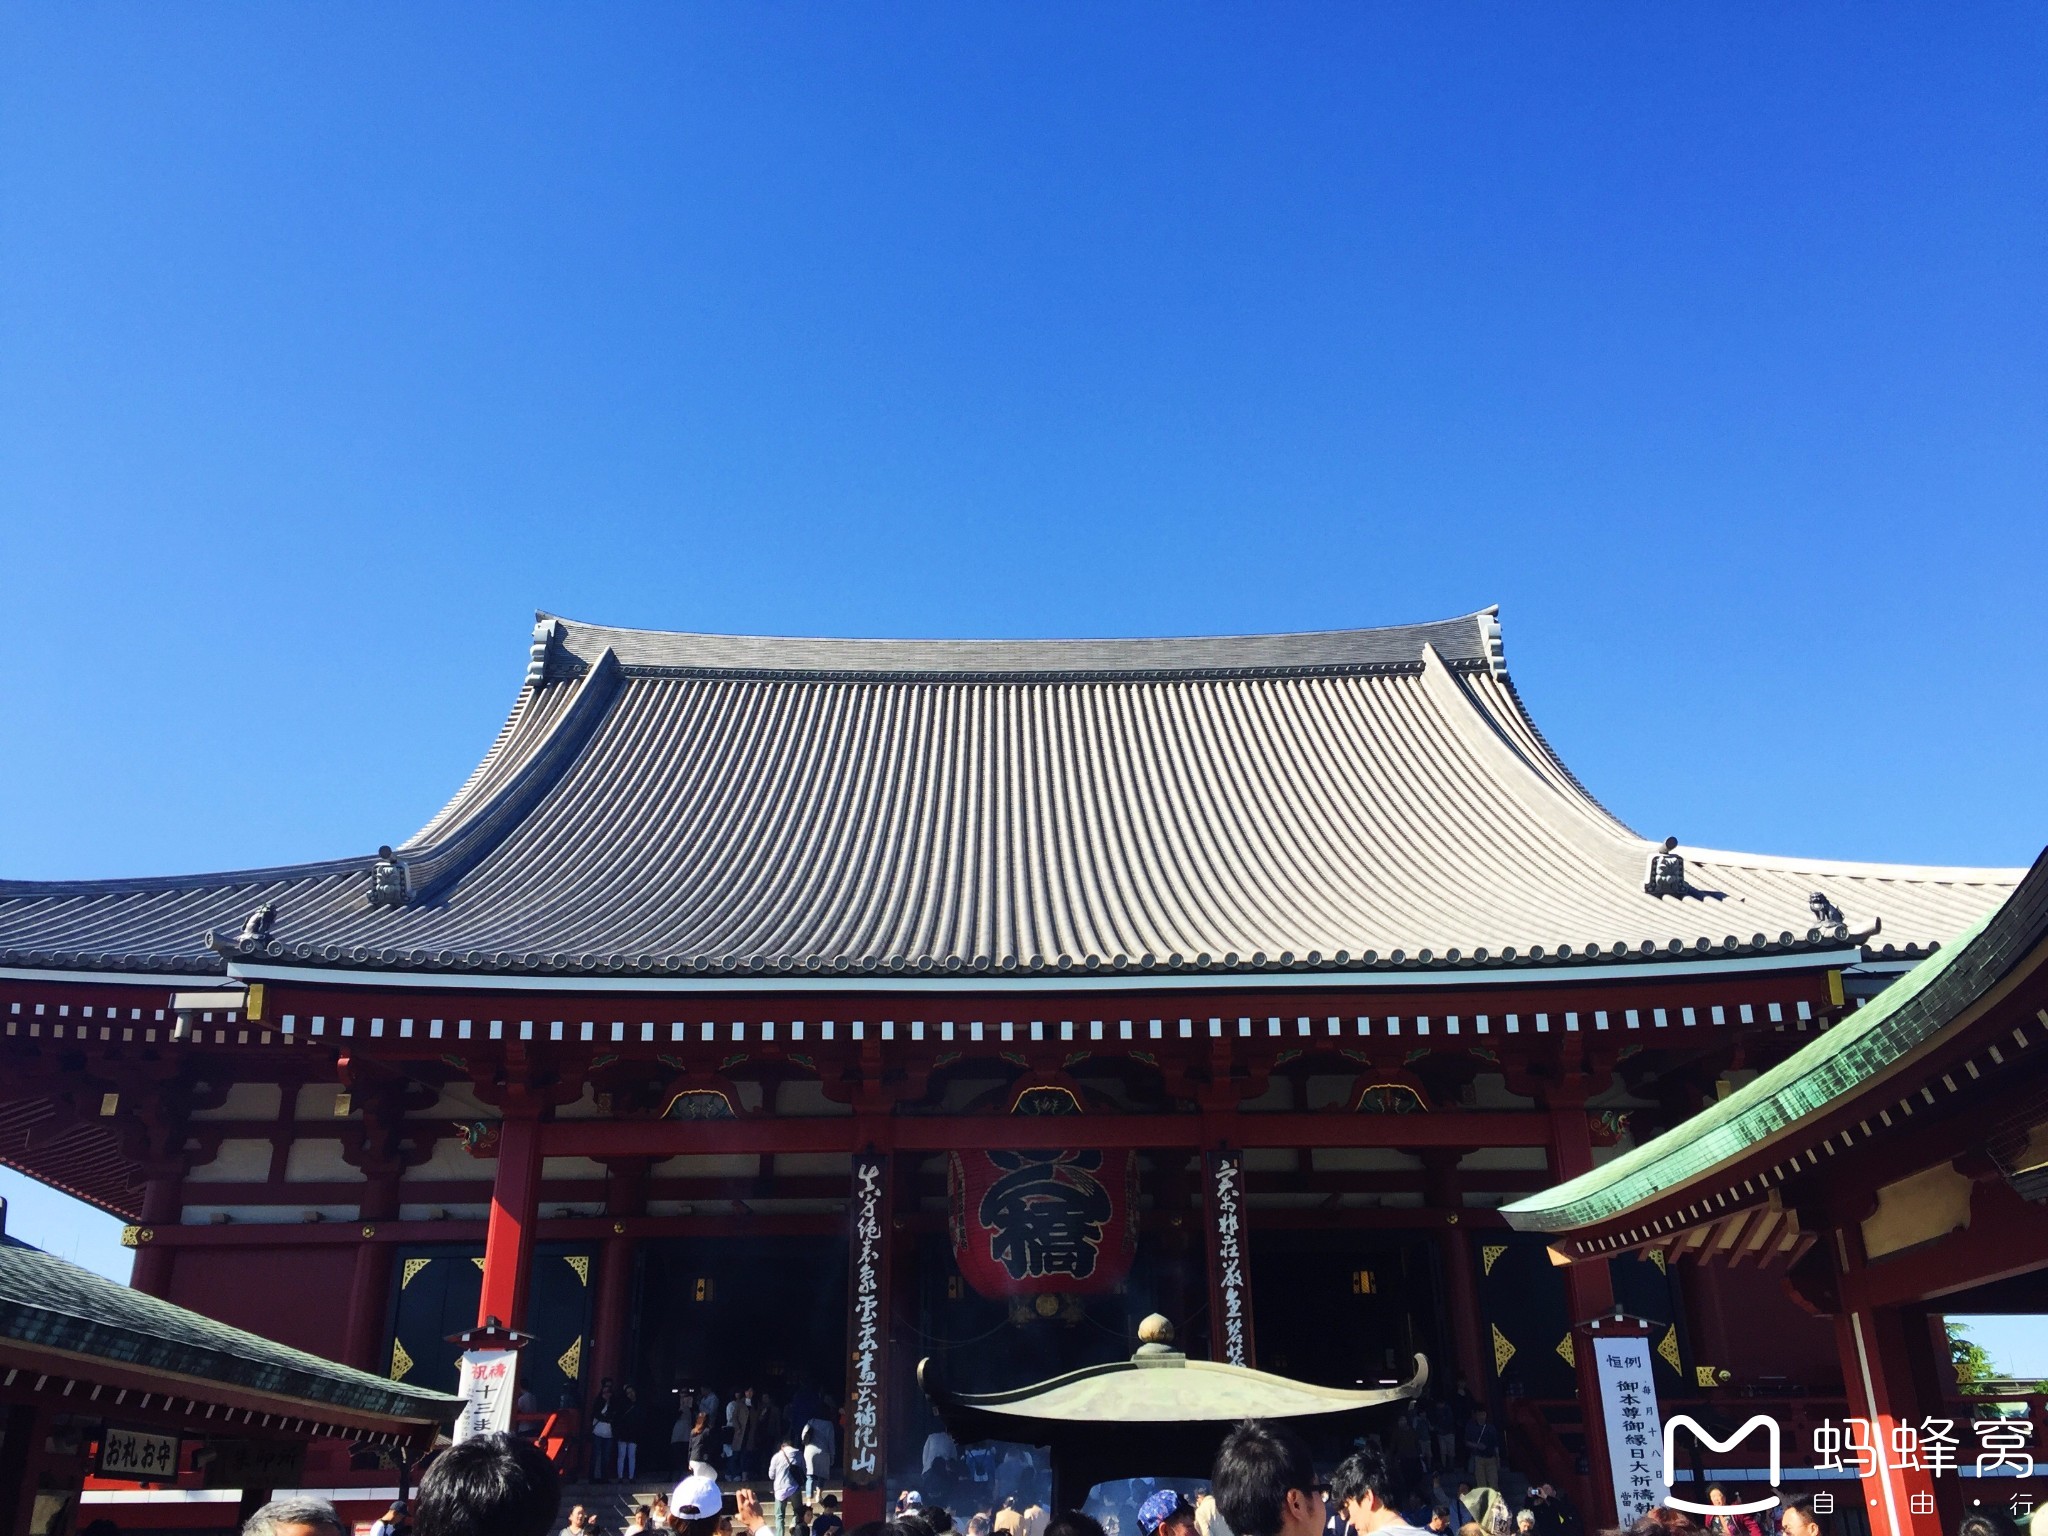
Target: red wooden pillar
[
  {"x": 26, "y": 1428},
  {"x": 1454, "y": 1249},
  {"x": 163, "y": 1205},
  {"x": 369, "y": 1292},
  {"x": 625, "y": 1197},
  {"x": 1877, "y": 1369},
  {"x": 1228, "y": 1239},
  {"x": 1589, "y": 1291},
  {"x": 870, "y": 1299},
  {"x": 515, "y": 1214}
]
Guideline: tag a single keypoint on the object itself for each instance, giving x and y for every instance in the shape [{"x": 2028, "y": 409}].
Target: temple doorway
[
  {"x": 730, "y": 1312},
  {"x": 1347, "y": 1308}
]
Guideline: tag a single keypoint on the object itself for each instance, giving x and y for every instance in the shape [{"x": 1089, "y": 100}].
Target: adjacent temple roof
[
  {"x": 1730, "y": 1154},
  {"x": 50, "y": 1304},
  {"x": 676, "y": 804}
]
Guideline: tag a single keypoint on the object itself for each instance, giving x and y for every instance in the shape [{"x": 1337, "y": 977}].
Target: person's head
[
  {"x": 579, "y": 1517},
  {"x": 1717, "y": 1495},
  {"x": 939, "y": 1518},
  {"x": 489, "y": 1485},
  {"x": 829, "y": 1503},
  {"x": 1362, "y": 1489},
  {"x": 911, "y": 1523},
  {"x": 1798, "y": 1519},
  {"x": 1525, "y": 1519},
  {"x": 1440, "y": 1518},
  {"x": 1265, "y": 1482},
  {"x": 1988, "y": 1522},
  {"x": 295, "y": 1517},
  {"x": 978, "y": 1524},
  {"x": 1071, "y": 1522},
  {"x": 396, "y": 1511},
  {"x": 1479, "y": 1412},
  {"x": 1166, "y": 1513}
]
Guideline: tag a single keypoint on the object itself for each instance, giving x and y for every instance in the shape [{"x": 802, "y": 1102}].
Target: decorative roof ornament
[
  {"x": 1828, "y": 915},
  {"x": 1667, "y": 871},
  {"x": 256, "y": 926},
  {"x": 546, "y": 632},
  {"x": 389, "y": 886}
]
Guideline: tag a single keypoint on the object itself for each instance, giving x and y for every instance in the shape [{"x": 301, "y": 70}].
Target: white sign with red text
[{"x": 487, "y": 1392}]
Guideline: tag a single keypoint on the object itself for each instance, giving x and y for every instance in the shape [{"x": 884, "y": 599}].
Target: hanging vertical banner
[
  {"x": 1026, "y": 1222},
  {"x": 1635, "y": 1430},
  {"x": 485, "y": 1387},
  {"x": 868, "y": 1331},
  {"x": 1230, "y": 1294}
]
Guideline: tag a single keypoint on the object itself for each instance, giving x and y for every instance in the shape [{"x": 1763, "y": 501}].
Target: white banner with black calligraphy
[
  {"x": 1230, "y": 1294},
  {"x": 870, "y": 1327},
  {"x": 1635, "y": 1428}
]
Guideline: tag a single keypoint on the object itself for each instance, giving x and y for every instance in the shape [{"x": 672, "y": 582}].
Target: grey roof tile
[{"x": 692, "y": 803}]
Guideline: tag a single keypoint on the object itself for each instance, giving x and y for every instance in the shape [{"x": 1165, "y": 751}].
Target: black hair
[
  {"x": 1258, "y": 1464},
  {"x": 911, "y": 1523},
  {"x": 938, "y": 1517},
  {"x": 1441, "y": 1509},
  {"x": 1988, "y": 1522},
  {"x": 1358, "y": 1474},
  {"x": 490, "y": 1485},
  {"x": 1071, "y": 1522},
  {"x": 1804, "y": 1504}
]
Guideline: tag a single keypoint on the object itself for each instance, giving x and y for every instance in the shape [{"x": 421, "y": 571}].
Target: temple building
[{"x": 785, "y": 1010}]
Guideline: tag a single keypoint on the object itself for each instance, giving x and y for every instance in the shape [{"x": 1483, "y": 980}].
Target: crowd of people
[
  {"x": 1264, "y": 1483},
  {"x": 736, "y": 1436}
]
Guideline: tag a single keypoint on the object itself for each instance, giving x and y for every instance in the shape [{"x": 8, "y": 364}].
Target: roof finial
[
  {"x": 1828, "y": 915},
  {"x": 1496, "y": 651},
  {"x": 256, "y": 925},
  {"x": 546, "y": 632},
  {"x": 1667, "y": 871},
  {"x": 389, "y": 886}
]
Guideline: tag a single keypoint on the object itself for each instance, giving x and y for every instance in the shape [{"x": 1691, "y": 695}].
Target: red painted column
[
  {"x": 163, "y": 1205},
  {"x": 1877, "y": 1369},
  {"x": 26, "y": 1428},
  {"x": 625, "y": 1197},
  {"x": 515, "y": 1215},
  {"x": 1454, "y": 1249},
  {"x": 369, "y": 1291},
  {"x": 1589, "y": 1291}
]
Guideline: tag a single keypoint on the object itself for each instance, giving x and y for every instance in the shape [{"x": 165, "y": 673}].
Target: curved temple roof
[
  {"x": 1752, "y": 1125},
  {"x": 665, "y": 804}
]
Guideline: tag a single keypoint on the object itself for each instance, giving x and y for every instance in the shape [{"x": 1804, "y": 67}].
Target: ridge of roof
[
  {"x": 1468, "y": 642},
  {"x": 1959, "y": 874},
  {"x": 1900, "y": 1020}
]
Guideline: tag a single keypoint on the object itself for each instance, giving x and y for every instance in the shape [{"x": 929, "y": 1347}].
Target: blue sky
[{"x": 1709, "y": 342}]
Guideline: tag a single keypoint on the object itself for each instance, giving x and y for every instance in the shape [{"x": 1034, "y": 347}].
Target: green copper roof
[
  {"x": 53, "y": 1304},
  {"x": 1905, "y": 1016}
]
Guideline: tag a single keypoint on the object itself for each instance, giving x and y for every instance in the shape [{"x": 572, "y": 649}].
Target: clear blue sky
[{"x": 1708, "y": 341}]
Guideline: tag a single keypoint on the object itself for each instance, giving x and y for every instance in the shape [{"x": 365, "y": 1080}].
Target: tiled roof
[
  {"x": 47, "y": 1302},
  {"x": 1752, "y": 1122},
  {"x": 688, "y": 804}
]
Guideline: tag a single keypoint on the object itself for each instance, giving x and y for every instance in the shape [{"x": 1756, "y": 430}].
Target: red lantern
[{"x": 1025, "y": 1223}]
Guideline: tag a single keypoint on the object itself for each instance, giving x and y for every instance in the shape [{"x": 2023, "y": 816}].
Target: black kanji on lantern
[{"x": 1046, "y": 1213}]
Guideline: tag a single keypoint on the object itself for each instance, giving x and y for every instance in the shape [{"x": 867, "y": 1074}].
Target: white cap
[{"x": 697, "y": 1498}]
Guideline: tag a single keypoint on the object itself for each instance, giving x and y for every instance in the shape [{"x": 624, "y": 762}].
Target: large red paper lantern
[{"x": 1025, "y": 1223}]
